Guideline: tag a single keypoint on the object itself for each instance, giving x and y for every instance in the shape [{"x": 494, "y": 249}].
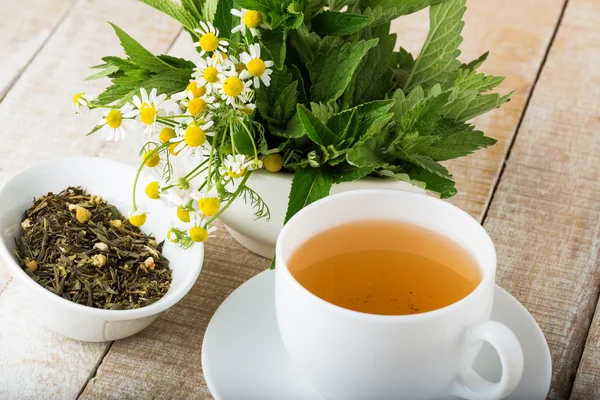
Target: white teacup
[{"x": 352, "y": 355}]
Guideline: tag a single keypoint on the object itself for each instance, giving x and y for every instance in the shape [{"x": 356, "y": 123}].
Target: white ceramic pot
[
  {"x": 113, "y": 181},
  {"x": 260, "y": 236}
]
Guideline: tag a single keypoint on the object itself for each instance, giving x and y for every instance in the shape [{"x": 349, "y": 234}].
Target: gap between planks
[{"x": 523, "y": 112}]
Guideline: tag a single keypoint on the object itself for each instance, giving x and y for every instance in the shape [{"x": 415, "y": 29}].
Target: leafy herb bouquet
[{"x": 313, "y": 87}]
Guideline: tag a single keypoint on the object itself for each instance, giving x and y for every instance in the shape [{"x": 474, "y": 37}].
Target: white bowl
[
  {"x": 113, "y": 181},
  {"x": 259, "y": 236}
]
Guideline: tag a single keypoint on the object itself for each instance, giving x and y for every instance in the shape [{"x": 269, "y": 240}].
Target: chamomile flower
[
  {"x": 235, "y": 166},
  {"x": 138, "y": 216},
  {"x": 209, "y": 39},
  {"x": 116, "y": 122},
  {"x": 80, "y": 102},
  {"x": 193, "y": 142},
  {"x": 200, "y": 232},
  {"x": 245, "y": 106},
  {"x": 256, "y": 68},
  {"x": 148, "y": 108},
  {"x": 237, "y": 64},
  {"x": 248, "y": 19},
  {"x": 208, "y": 73},
  {"x": 208, "y": 202},
  {"x": 178, "y": 189},
  {"x": 232, "y": 87},
  {"x": 197, "y": 105},
  {"x": 192, "y": 90}
]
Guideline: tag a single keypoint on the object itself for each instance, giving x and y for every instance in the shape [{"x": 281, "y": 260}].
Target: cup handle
[{"x": 470, "y": 385}]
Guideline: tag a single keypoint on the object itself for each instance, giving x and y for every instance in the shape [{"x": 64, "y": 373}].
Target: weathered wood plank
[
  {"x": 38, "y": 123},
  {"x": 517, "y": 35},
  {"x": 25, "y": 27},
  {"x": 168, "y": 353},
  {"x": 544, "y": 217},
  {"x": 587, "y": 382}
]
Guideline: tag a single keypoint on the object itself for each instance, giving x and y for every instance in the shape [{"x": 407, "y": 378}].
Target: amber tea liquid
[{"x": 384, "y": 267}]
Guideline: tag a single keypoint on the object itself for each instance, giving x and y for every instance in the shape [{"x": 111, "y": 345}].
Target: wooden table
[{"x": 537, "y": 192}]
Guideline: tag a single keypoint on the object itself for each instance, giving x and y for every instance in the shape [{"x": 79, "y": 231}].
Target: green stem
[
  {"x": 233, "y": 197},
  {"x": 251, "y": 139},
  {"x": 175, "y": 116},
  {"x": 195, "y": 169},
  {"x": 139, "y": 171}
]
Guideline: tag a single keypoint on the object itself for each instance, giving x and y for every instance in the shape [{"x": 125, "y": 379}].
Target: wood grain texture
[
  {"x": 38, "y": 123},
  {"x": 517, "y": 35},
  {"x": 169, "y": 351},
  {"x": 587, "y": 382},
  {"x": 545, "y": 215},
  {"x": 25, "y": 27}
]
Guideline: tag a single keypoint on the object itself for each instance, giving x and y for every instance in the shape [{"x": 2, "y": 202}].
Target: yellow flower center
[
  {"x": 273, "y": 162},
  {"x": 77, "y": 97},
  {"x": 233, "y": 86},
  {"x": 209, "y": 42},
  {"x": 246, "y": 110},
  {"x": 209, "y": 206},
  {"x": 172, "y": 149},
  {"x": 166, "y": 134},
  {"x": 197, "y": 91},
  {"x": 152, "y": 159},
  {"x": 237, "y": 174},
  {"x": 152, "y": 190},
  {"x": 239, "y": 67},
  {"x": 147, "y": 113},
  {"x": 114, "y": 119},
  {"x": 196, "y": 106},
  {"x": 183, "y": 214},
  {"x": 252, "y": 19},
  {"x": 194, "y": 136},
  {"x": 138, "y": 219},
  {"x": 211, "y": 75},
  {"x": 198, "y": 234},
  {"x": 256, "y": 67},
  {"x": 218, "y": 57}
]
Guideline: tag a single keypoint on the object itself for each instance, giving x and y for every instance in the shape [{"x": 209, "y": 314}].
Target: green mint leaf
[
  {"x": 339, "y": 23},
  {"x": 258, "y": 5},
  {"x": 424, "y": 162},
  {"x": 116, "y": 93},
  {"x": 456, "y": 140},
  {"x": 132, "y": 77},
  {"x": 294, "y": 128},
  {"x": 194, "y": 7},
  {"x": 349, "y": 173},
  {"x": 374, "y": 79},
  {"x": 324, "y": 111},
  {"x": 274, "y": 41},
  {"x": 473, "y": 105},
  {"x": 224, "y": 19},
  {"x": 302, "y": 98},
  {"x": 177, "y": 62},
  {"x": 138, "y": 54},
  {"x": 331, "y": 72},
  {"x": 412, "y": 142},
  {"x": 421, "y": 177},
  {"x": 175, "y": 11},
  {"x": 403, "y": 104},
  {"x": 473, "y": 65},
  {"x": 384, "y": 11},
  {"x": 309, "y": 185},
  {"x": 316, "y": 130},
  {"x": 438, "y": 62},
  {"x": 121, "y": 63},
  {"x": 365, "y": 153},
  {"x": 306, "y": 43},
  {"x": 344, "y": 125},
  {"x": 424, "y": 116},
  {"x": 110, "y": 69},
  {"x": 277, "y": 102},
  {"x": 209, "y": 10},
  {"x": 94, "y": 130},
  {"x": 242, "y": 141},
  {"x": 468, "y": 79}
]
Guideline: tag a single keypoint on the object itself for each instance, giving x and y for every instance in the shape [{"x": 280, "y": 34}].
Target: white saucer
[{"x": 243, "y": 356}]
